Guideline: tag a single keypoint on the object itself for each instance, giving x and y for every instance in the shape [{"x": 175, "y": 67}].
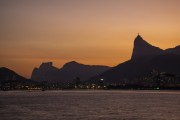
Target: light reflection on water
[{"x": 90, "y": 105}]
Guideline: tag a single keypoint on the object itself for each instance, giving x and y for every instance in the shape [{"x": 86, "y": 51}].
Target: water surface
[{"x": 90, "y": 105}]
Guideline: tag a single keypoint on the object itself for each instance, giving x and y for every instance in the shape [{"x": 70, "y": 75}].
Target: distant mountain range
[
  {"x": 145, "y": 58},
  {"x": 69, "y": 72},
  {"x": 10, "y": 80},
  {"x": 9, "y": 75}
]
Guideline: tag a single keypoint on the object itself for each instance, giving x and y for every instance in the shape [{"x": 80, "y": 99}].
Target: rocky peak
[
  {"x": 144, "y": 50},
  {"x": 139, "y": 42},
  {"x": 46, "y": 65},
  {"x": 46, "y": 71},
  {"x": 71, "y": 65}
]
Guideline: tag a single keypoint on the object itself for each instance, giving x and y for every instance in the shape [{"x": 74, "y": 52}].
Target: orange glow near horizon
[{"x": 95, "y": 32}]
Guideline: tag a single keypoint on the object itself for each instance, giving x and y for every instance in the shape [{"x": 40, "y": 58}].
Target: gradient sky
[{"x": 87, "y": 31}]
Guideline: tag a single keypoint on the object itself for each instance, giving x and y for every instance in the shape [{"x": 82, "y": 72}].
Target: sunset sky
[{"x": 99, "y": 32}]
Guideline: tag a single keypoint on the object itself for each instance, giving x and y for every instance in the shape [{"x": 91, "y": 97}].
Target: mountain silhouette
[
  {"x": 9, "y": 75},
  {"x": 69, "y": 71},
  {"x": 145, "y": 58},
  {"x": 144, "y": 50},
  {"x": 175, "y": 50},
  {"x": 46, "y": 72},
  {"x": 10, "y": 80}
]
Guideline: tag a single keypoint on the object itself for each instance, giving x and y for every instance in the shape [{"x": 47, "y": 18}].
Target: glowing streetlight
[{"x": 102, "y": 82}]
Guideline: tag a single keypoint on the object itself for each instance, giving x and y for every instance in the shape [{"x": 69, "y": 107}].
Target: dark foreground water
[{"x": 90, "y": 105}]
